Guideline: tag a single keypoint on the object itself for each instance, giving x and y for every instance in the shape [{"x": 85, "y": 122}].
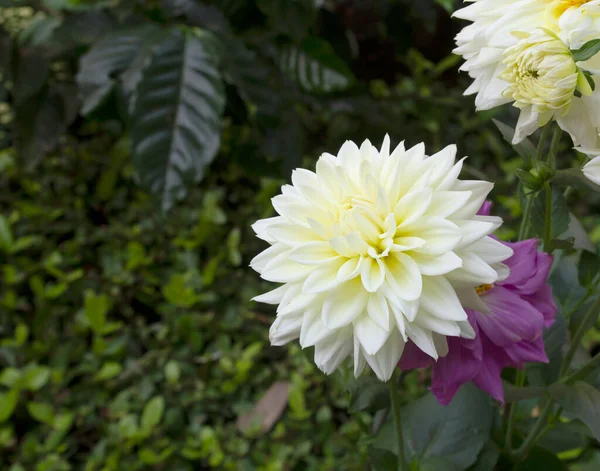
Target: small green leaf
[
  {"x": 6, "y": 238},
  {"x": 10, "y": 377},
  {"x": 36, "y": 376},
  {"x": 21, "y": 333},
  {"x": 152, "y": 414},
  {"x": 178, "y": 293},
  {"x": 63, "y": 421},
  {"x": 95, "y": 308},
  {"x": 582, "y": 400},
  {"x": 587, "y": 51},
  {"x": 172, "y": 372},
  {"x": 109, "y": 370},
  {"x": 8, "y": 402},
  {"x": 41, "y": 411},
  {"x": 559, "y": 214},
  {"x": 589, "y": 269},
  {"x": 136, "y": 255}
]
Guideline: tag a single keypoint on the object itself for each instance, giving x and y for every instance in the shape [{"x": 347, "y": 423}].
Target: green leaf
[
  {"x": 559, "y": 213},
  {"x": 95, "y": 309},
  {"x": 514, "y": 394},
  {"x": 41, "y": 411},
  {"x": 289, "y": 17},
  {"x": 525, "y": 148},
  {"x": 10, "y": 377},
  {"x": 6, "y": 238},
  {"x": 178, "y": 293},
  {"x": 109, "y": 370},
  {"x": 589, "y": 269},
  {"x": 368, "y": 393},
  {"x": 152, "y": 414},
  {"x": 172, "y": 372},
  {"x": 575, "y": 177},
  {"x": 488, "y": 458},
  {"x": 36, "y": 376},
  {"x": 455, "y": 433},
  {"x": 587, "y": 51},
  {"x": 555, "y": 338},
  {"x": 540, "y": 459},
  {"x": 581, "y": 400},
  {"x": 437, "y": 464},
  {"x": 107, "y": 58},
  {"x": 176, "y": 123},
  {"x": 382, "y": 460},
  {"x": 315, "y": 66},
  {"x": 8, "y": 402},
  {"x": 447, "y": 5}
]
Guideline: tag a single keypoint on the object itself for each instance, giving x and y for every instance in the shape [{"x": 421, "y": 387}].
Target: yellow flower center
[
  {"x": 557, "y": 7},
  {"x": 482, "y": 289}
]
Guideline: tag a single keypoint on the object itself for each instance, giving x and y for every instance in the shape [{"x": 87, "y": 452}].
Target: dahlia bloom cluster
[
  {"x": 521, "y": 52},
  {"x": 386, "y": 255}
]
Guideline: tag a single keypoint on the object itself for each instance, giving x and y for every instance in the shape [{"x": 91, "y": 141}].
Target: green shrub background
[{"x": 127, "y": 337}]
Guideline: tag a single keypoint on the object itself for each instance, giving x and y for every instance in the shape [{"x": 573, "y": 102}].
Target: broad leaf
[
  {"x": 525, "y": 148},
  {"x": 539, "y": 459},
  {"x": 382, "y": 460},
  {"x": 514, "y": 394},
  {"x": 488, "y": 458},
  {"x": 587, "y": 51},
  {"x": 108, "y": 57},
  {"x": 315, "y": 66},
  {"x": 290, "y": 17},
  {"x": 575, "y": 177},
  {"x": 559, "y": 213},
  {"x": 543, "y": 374},
  {"x": 589, "y": 269},
  {"x": 581, "y": 400},
  {"x": 368, "y": 393},
  {"x": 455, "y": 433},
  {"x": 176, "y": 124}
]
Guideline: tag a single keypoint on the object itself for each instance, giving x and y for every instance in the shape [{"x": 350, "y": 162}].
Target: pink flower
[{"x": 509, "y": 334}]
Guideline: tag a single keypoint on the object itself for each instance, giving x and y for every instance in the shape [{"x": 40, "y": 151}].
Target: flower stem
[
  {"x": 533, "y": 433},
  {"x": 583, "y": 371},
  {"x": 395, "y": 399},
  {"x": 526, "y": 218},
  {"x": 554, "y": 146},
  {"x": 548, "y": 220},
  {"x": 512, "y": 415},
  {"x": 543, "y": 138},
  {"x": 583, "y": 327}
]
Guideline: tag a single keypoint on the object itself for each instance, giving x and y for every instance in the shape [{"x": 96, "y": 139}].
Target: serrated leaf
[
  {"x": 587, "y": 51},
  {"x": 176, "y": 123},
  {"x": 108, "y": 57},
  {"x": 559, "y": 213},
  {"x": 315, "y": 66},
  {"x": 582, "y": 400},
  {"x": 152, "y": 414}
]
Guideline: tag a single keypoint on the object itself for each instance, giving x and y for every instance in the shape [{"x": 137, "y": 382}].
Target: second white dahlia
[{"x": 373, "y": 249}]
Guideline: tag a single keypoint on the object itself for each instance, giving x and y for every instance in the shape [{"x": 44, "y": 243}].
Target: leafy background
[{"x": 140, "y": 139}]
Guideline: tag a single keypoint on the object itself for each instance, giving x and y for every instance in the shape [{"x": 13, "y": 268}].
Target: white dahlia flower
[
  {"x": 373, "y": 249},
  {"x": 504, "y": 53},
  {"x": 592, "y": 170}
]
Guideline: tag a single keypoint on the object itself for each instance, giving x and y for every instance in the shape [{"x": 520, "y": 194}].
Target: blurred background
[{"x": 140, "y": 140}]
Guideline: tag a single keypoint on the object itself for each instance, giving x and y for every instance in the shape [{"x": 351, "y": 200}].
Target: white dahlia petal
[{"x": 371, "y": 249}]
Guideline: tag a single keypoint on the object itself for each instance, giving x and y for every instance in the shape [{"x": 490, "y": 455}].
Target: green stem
[
  {"x": 583, "y": 327},
  {"x": 543, "y": 138},
  {"x": 533, "y": 433},
  {"x": 554, "y": 146},
  {"x": 526, "y": 218},
  {"x": 548, "y": 220},
  {"x": 512, "y": 416},
  {"x": 395, "y": 399},
  {"x": 584, "y": 371}
]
